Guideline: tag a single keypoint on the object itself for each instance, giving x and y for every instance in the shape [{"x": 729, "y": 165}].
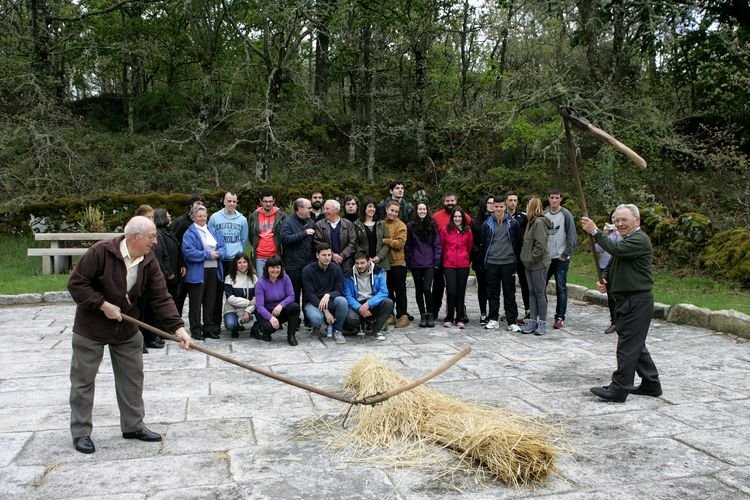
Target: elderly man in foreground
[
  {"x": 630, "y": 284},
  {"x": 109, "y": 279}
]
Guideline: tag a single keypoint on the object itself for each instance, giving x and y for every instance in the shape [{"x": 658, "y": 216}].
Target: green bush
[{"x": 727, "y": 255}]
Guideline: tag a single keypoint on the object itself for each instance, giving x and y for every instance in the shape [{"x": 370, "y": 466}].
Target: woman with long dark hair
[
  {"x": 423, "y": 256},
  {"x": 456, "y": 243},
  {"x": 239, "y": 289},
  {"x": 274, "y": 303},
  {"x": 486, "y": 208}
]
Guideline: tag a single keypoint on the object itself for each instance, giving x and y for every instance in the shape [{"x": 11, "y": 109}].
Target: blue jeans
[
  {"x": 559, "y": 269},
  {"x": 338, "y": 307},
  {"x": 260, "y": 264},
  {"x": 231, "y": 321}
]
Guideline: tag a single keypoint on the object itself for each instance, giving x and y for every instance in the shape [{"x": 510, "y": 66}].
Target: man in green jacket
[{"x": 630, "y": 284}]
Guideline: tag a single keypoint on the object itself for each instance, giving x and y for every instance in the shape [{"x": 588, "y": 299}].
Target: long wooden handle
[
  {"x": 368, "y": 400},
  {"x": 635, "y": 157}
]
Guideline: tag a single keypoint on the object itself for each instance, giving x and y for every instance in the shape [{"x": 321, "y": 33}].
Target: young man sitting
[{"x": 367, "y": 295}]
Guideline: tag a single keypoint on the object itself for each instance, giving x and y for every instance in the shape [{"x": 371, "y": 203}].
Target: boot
[
  {"x": 430, "y": 321},
  {"x": 423, "y": 321},
  {"x": 530, "y": 326},
  {"x": 291, "y": 338},
  {"x": 541, "y": 327},
  {"x": 235, "y": 333},
  {"x": 391, "y": 320},
  {"x": 403, "y": 321}
]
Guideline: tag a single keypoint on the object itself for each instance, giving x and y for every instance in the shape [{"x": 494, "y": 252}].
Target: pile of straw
[{"x": 518, "y": 451}]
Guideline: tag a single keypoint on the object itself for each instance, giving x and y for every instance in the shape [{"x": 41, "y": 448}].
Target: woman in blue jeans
[{"x": 239, "y": 289}]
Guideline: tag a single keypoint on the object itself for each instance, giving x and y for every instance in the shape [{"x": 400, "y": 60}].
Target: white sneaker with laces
[
  {"x": 492, "y": 325},
  {"x": 514, "y": 328}
]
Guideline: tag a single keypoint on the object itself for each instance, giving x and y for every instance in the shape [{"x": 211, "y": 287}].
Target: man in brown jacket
[
  {"x": 338, "y": 233},
  {"x": 109, "y": 279}
]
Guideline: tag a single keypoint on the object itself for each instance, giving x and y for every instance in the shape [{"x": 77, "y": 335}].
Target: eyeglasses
[
  {"x": 150, "y": 236},
  {"x": 622, "y": 221}
]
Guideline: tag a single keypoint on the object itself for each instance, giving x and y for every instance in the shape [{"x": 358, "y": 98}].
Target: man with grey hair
[
  {"x": 108, "y": 281},
  {"x": 340, "y": 234},
  {"x": 630, "y": 281}
]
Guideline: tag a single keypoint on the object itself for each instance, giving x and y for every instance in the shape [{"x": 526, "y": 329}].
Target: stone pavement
[{"x": 229, "y": 433}]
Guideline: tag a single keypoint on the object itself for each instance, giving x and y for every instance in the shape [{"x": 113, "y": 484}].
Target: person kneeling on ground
[
  {"x": 274, "y": 303},
  {"x": 367, "y": 295},
  {"x": 239, "y": 288}
]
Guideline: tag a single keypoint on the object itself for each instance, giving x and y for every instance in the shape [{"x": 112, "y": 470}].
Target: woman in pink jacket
[{"x": 456, "y": 242}]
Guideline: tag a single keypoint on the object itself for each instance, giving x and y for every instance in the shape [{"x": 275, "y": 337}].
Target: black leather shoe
[
  {"x": 84, "y": 444},
  {"x": 654, "y": 392},
  {"x": 212, "y": 335},
  {"x": 235, "y": 334},
  {"x": 143, "y": 435},
  {"x": 611, "y": 329},
  {"x": 197, "y": 336},
  {"x": 292, "y": 339},
  {"x": 609, "y": 394},
  {"x": 152, "y": 344},
  {"x": 266, "y": 337}
]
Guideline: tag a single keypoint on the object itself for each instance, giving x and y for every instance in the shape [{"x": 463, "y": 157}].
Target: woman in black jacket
[
  {"x": 486, "y": 207},
  {"x": 167, "y": 250}
]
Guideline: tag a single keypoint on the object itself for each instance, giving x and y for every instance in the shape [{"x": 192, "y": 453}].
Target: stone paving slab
[{"x": 230, "y": 433}]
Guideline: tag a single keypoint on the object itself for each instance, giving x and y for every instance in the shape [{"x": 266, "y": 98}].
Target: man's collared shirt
[{"x": 131, "y": 264}]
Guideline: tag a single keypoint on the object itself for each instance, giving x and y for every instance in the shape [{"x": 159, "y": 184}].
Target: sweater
[
  {"x": 101, "y": 276},
  {"x": 534, "y": 252},
  {"x": 629, "y": 271},
  {"x": 233, "y": 229},
  {"x": 562, "y": 236},
  {"x": 239, "y": 294},
  {"x": 268, "y": 295},
  {"x": 422, "y": 254},
  {"x": 317, "y": 282}
]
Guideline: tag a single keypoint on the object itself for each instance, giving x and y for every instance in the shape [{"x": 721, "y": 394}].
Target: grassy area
[
  {"x": 672, "y": 289},
  {"x": 22, "y": 274}
]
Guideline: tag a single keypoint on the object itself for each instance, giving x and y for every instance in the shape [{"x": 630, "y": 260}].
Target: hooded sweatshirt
[
  {"x": 233, "y": 228},
  {"x": 535, "y": 253}
]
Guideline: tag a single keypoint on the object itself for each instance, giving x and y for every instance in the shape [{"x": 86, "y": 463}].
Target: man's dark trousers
[
  {"x": 633, "y": 317},
  {"x": 501, "y": 275}
]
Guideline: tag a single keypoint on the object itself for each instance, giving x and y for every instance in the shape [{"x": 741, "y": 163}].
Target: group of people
[
  {"x": 349, "y": 272},
  {"x": 346, "y": 272}
]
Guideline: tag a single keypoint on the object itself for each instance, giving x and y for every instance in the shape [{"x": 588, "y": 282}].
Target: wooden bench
[{"x": 59, "y": 259}]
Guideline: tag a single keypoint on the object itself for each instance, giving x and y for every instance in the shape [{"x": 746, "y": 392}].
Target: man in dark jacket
[
  {"x": 511, "y": 207},
  {"x": 297, "y": 240},
  {"x": 630, "y": 284},
  {"x": 406, "y": 211},
  {"x": 501, "y": 242},
  {"x": 108, "y": 280}
]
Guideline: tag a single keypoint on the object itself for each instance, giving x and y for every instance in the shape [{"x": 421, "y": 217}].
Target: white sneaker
[
  {"x": 514, "y": 328},
  {"x": 492, "y": 325}
]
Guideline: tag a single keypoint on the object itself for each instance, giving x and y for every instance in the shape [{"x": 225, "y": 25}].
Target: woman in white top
[{"x": 239, "y": 289}]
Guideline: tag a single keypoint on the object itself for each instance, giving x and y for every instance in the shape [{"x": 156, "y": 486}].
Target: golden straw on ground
[{"x": 517, "y": 450}]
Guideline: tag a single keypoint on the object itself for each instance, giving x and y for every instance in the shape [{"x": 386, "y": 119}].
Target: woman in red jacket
[{"x": 456, "y": 242}]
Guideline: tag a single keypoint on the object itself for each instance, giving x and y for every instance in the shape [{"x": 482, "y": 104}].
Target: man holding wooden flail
[
  {"x": 630, "y": 283},
  {"x": 106, "y": 283}
]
